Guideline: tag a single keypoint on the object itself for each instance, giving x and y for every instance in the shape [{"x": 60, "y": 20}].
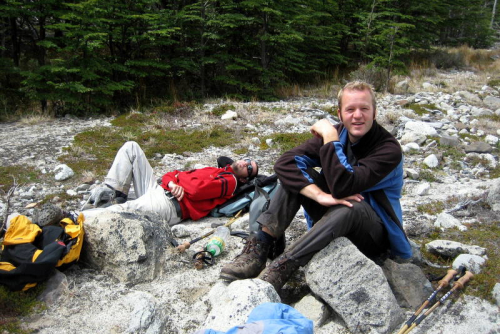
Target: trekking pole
[
  {"x": 182, "y": 248},
  {"x": 456, "y": 286},
  {"x": 441, "y": 284}
]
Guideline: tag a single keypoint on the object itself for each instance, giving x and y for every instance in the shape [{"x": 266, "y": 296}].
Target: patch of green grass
[
  {"x": 421, "y": 109},
  {"x": 432, "y": 208},
  {"x": 241, "y": 151},
  {"x": 287, "y": 141},
  {"x": 494, "y": 82},
  {"x": 486, "y": 235},
  {"x": 427, "y": 175},
  {"x": 495, "y": 173},
  {"x": 94, "y": 150},
  {"x": 22, "y": 174},
  {"x": 472, "y": 138},
  {"x": 221, "y": 109},
  {"x": 15, "y": 304}
]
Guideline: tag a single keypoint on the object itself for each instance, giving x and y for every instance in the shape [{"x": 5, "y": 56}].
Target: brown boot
[
  {"x": 279, "y": 271},
  {"x": 249, "y": 263}
]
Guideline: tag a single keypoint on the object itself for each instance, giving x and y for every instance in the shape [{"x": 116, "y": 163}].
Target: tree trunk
[
  {"x": 493, "y": 13},
  {"x": 15, "y": 41}
]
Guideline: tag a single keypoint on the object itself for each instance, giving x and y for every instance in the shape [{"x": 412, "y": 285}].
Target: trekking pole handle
[
  {"x": 463, "y": 280},
  {"x": 446, "y": 280}
]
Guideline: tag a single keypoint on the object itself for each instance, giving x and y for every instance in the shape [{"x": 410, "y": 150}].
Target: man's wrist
[{"x": 330, "y": 137}]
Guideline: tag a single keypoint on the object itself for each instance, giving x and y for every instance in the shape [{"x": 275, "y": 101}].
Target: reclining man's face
[{"x": 243, "y": 169}]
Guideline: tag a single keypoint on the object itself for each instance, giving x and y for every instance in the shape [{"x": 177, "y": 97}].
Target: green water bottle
[{"x": 217, "y": 242}]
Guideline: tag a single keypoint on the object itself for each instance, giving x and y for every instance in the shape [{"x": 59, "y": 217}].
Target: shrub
[{"x": 374, "y": 75}]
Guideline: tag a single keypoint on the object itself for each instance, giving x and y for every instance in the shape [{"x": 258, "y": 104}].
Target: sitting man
[
  {"x": 180, "y": 195},
  {"x": 356, "y": 195}
]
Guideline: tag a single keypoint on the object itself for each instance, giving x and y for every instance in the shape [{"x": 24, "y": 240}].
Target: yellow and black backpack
[{"x": 30, "y": 252}]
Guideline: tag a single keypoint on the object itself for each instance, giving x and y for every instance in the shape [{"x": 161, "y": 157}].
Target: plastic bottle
[{"x": 217, "y": 242}]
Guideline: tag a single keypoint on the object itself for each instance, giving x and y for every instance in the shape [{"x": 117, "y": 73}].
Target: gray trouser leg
[
  {"x": 131, "y": 165},
  {"x": 360, "y": 224}
]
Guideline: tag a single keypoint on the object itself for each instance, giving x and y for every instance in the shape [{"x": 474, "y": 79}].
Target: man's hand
[
  {"x": 324, "y": 129},
  {"x": 315, "y": 193},
  {"x": 328, "y": 200},
  {"x": 176, "y": 190}
]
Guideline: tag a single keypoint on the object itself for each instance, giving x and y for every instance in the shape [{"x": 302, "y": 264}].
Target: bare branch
[{"x": 7, "y": 202}]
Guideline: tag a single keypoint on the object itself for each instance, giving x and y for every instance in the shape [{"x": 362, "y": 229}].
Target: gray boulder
[
  {"x": 355, "y": 287},
  {"x": 127, "y": 246},
  {"x": 478, "y": 147},
  {"x": 493, "y": 198},
  {"x": 408, "y": 283}
]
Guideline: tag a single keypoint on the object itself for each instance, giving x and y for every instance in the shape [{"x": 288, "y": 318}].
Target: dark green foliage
[
  {"x": 15, "y": 304},
  {"x": 87, "y": 56}
]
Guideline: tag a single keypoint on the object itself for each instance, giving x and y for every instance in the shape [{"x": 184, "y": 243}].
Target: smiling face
[
  {"x": 243, "y": 169},
  {"x": 357, "y": 112}
]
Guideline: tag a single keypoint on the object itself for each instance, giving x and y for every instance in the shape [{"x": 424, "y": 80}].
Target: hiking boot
[
  {"x": 250, "y": 262},
  {"x": 102, "y": 195},
  {"x": 47, "y": 214},
  {"x": 279, "y": 271}
]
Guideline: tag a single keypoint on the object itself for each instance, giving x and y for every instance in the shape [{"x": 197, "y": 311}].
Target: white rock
[
  {"x": 473, "y": 263},
  {"x": 411, "y": 147},
  {"x": 492, "y": 140},
  {"x": 427, "y": 85},
  {"x": 312, "y": 309},
  {"x": 270, "y": 142},
  {"x": 230, "y": 114},
  {"x": 231, "y": 304},
  {"x": 445, "y": 220},
  {"x": 492, "y": 102},
  {"x": 421, "y": 127},
  {"x": 431, "y": 161},
  {"x": 63, "y": 172},
  {"x": 71, "y": 192},
  {"x": 452, "y": 248},
  {"x": 412, "y": 173},
  {"x": 422, "y": 189},
  {"x": 255, "y": 141}
]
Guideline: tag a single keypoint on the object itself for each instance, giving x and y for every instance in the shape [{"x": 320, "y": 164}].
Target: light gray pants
[{"x": 132, "y": 166}]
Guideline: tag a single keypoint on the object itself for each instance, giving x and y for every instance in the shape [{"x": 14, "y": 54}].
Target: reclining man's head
[{"x": 245, "y": 169}]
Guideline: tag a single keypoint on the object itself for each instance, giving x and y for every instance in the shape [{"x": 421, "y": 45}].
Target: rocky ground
[{"x": 433, "y": 176}]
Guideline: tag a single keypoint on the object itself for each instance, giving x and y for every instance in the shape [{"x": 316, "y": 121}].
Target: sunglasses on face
[{"x": 249, "y": 167}]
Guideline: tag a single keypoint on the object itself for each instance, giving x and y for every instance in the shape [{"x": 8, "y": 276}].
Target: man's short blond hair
[{"x": 359, "y": 86}]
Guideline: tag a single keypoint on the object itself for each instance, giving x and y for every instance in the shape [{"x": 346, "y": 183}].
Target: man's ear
[
  {"x": 339, "y": 114},
  {"x": 243, "y": 179}
]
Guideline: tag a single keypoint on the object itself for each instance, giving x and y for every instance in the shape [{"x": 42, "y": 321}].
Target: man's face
[
  {"x": 244, "y": 168},
  {"x": 357, "y": 113}
]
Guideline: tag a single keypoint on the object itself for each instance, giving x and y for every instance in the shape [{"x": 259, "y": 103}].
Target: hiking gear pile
[{"x": 31, "y": 252}]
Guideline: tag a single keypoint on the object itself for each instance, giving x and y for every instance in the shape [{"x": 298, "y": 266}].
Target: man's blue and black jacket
[{"x": 372, "y": 167}]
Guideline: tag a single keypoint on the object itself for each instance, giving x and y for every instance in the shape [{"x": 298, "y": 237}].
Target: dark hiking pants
[{"x": 360, "y": 224}]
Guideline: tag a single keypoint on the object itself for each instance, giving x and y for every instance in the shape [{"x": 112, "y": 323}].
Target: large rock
[
  {"x": 355, "y": 287},
  {"x": 448, "y": 248},
  {"x": 408, "y": 283},
  {"x": 468, "y": 315},
  {"x": 127, "y": 246},
  {"x": 231, "y": 304}
]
